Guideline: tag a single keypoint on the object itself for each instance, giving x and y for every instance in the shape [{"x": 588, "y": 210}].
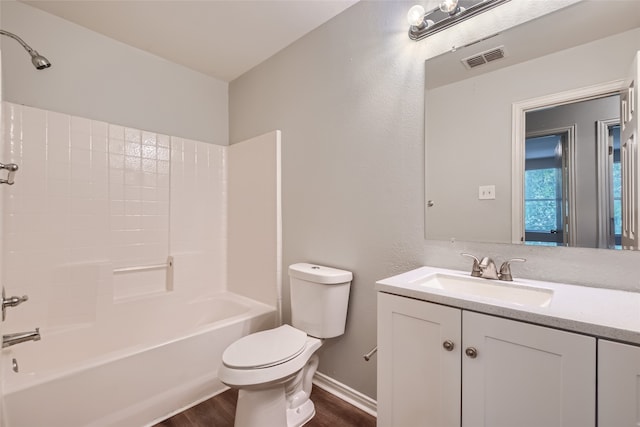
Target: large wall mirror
[{"x": 488, "y": 131}]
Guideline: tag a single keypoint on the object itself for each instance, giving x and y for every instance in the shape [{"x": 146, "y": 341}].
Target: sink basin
[{"x": 510, "y": 292}]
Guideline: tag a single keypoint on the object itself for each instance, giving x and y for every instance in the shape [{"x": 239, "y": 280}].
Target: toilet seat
[{"x": 265, "y": 349}]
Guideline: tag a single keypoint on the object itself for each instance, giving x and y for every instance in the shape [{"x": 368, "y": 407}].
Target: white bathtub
[{"x": 133, "y": 372}]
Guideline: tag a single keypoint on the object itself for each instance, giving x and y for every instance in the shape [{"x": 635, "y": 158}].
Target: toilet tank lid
[{"x": 319, "y": 274}]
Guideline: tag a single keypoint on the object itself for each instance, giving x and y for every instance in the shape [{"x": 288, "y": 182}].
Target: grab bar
[
  {"x": 373, "y": 351},
  {"x": 12, "y": 168},
  {"x": 167, "y": 265}
]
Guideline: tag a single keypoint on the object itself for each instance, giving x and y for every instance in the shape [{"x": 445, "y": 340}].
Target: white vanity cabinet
[
  {"x": 440, "y": 366},
  {"x": 618, "y": 384},
  {"x": 519, "y": 374},
  {"x": 418, "y": 378}
]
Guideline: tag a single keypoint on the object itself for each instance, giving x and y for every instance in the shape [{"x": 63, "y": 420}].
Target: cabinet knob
[
  {"x": 471, "y": 352},
  {"x": 448, "y": 345}
]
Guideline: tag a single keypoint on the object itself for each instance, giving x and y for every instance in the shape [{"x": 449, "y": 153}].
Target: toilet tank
[{"x": 319, "y": 299}]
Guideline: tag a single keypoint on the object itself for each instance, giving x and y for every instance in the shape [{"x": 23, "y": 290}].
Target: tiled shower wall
[{"x": 92, "y": 197}]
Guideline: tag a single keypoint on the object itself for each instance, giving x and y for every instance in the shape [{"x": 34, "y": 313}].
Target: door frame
[
  {"x": 604, "y": 193},
  {"x": 518, "y": 136}
]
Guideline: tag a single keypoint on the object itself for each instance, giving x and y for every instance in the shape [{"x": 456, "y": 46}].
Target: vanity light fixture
[{"x": 447, "y": 14}]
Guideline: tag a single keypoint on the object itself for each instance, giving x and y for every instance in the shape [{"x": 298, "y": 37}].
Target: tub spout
[{"x": 13, "y": 339}]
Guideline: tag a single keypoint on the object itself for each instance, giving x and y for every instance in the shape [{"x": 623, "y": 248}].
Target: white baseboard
[{"x": 346, "y": 393}]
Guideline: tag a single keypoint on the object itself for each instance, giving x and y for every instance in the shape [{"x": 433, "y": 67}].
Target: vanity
[{"x": 456, "y": 350}]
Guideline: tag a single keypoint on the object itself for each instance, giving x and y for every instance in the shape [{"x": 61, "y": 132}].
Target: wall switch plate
[{"x": 487, "y": 192}]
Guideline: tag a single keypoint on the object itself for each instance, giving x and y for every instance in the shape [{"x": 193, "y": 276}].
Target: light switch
[{"x": 487, "y": 192}]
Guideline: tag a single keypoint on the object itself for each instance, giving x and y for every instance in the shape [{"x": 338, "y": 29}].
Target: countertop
[{"x": 604, "y": 313}]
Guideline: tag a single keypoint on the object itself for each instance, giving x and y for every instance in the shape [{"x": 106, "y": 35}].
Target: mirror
[{"x": 469, "y": 113}]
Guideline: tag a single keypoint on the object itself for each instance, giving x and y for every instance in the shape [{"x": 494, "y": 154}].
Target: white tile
[
  {"x": 80, "y": 125},
  {"x": 116, "y": 161},
  {"x": 163, "y": 153},
  {"x": 132, "y": 135},
  {"x": 116, "y": 146},
  {"x": 132, "y": 163},
  {"x": 149, "y": 138},
  {"x": 163, "y": 141},
  {"x": 58, "y": 131},
  {"x": 80, "y": 140},
  {"x": 149, "y": 152},
  {"x": 149, "y": 180},
  {"x": 99, "y": 136},
  {"x": 117, "y": 207},
  {"x": 132, "y": 193},
  {"x": 133, "y": 148},
  {"x": 34, "y": 125},
  {"x": 81, "y": 171},
  {"x": 133, "y": 178},
  {"x": 163, "y": 167},
  {"x": 116, "y": 132},
  {"x": 149, "y": 165}
]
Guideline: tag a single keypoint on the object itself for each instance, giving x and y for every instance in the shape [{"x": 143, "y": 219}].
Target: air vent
[{"x": 484, "y": 57}]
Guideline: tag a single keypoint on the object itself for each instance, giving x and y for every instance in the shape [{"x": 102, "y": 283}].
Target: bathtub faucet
[{"x": 13, "y": 339}]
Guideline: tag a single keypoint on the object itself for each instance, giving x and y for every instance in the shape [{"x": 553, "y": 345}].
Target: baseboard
[{"x": 346, "y": 393}]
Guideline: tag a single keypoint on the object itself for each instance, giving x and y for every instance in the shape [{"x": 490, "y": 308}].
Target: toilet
[{"x": 273, "y": 369}]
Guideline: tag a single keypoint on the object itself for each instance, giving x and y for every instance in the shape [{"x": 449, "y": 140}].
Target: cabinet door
[
  {"x": 418, "y": 378},
  {"x": 618, "y": 384},
  {"x": 525, "y": 375}
]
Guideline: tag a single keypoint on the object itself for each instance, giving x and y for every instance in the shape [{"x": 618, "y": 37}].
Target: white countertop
[{"x": 605, "y": 313}]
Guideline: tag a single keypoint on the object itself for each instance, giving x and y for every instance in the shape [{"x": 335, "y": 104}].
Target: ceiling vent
[{"x": 484, "y": 57}]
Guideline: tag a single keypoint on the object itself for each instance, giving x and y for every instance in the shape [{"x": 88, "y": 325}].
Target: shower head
[{"x": 38, "y": 61}]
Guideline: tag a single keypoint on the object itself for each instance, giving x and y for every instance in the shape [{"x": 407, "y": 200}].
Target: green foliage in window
[{"x": 542, "y": 200}]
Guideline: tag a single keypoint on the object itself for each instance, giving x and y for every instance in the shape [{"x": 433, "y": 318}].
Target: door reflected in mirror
[{"x": 572, "y": 184}]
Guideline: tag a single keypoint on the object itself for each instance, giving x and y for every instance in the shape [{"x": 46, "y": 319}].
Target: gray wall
[
  {"x": 99, "y": 78},
  {"x": 349, "y": 100}
]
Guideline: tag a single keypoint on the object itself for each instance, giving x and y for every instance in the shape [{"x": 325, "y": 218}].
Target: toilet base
[{"x": 299, "y": 416}]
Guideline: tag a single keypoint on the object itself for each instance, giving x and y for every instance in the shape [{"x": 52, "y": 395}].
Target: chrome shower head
[{"x": 38, "y": 61}]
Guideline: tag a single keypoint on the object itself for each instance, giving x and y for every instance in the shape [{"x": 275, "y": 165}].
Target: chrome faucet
[
  {"x": 13, "y": 339},
  {"x": 486, "y": 268},
  {"x": 505, "y": 269}
]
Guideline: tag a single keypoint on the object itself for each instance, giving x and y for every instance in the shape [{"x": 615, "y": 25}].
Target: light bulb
[
  {"x": 416, "y": 15},
  {"x": 449, "y": 6}
]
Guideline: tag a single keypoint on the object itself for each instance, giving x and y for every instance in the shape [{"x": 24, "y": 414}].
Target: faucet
[
  {"x": 486, "y": 268},
  {"x": 13, "y": 339},
  {"x": 505, "y": 269},
  {"x": 475, "y": 270}
]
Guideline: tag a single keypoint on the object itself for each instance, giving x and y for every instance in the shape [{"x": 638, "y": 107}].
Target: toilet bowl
[{"x": 273, "y": 369}]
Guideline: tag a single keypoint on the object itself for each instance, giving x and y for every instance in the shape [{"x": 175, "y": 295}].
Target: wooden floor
[{"x": 219, "y": 411}]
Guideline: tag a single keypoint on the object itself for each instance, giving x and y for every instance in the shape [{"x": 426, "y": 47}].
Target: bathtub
[{"x": 148, "y": 368}]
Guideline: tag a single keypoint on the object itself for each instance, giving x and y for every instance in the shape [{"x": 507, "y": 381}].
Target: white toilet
[{"x": 273, "y": 369}]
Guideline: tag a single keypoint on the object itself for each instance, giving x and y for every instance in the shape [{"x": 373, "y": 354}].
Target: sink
[{"x": 510, "y": 292}]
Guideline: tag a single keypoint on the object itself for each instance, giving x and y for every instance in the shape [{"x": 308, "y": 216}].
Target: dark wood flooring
[{"x": 219, "y": 411}]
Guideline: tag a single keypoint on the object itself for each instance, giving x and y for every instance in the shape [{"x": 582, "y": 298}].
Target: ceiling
[{"x": 220, "y": 38}]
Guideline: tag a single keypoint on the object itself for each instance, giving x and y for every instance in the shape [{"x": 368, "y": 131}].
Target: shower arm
[
  {"x": 19, "y": 40},
  {"x": 38, "y": 61}
]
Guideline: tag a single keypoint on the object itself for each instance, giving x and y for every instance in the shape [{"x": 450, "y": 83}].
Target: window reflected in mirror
[{"x": 543, "y": 190}]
